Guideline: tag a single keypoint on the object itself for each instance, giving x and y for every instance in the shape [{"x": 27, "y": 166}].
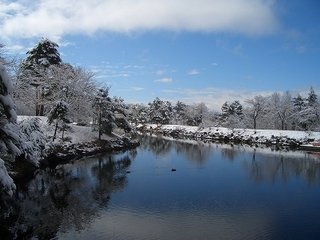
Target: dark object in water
[{"x": 173, "y": 170}]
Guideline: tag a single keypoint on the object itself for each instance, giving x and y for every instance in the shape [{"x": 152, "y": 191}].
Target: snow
[
  {"x": 5, "y": 180},
  {"x": 263, "y": 134},
  {"x": 77, "y": 134},
  {"x": 6, "y": 79}
]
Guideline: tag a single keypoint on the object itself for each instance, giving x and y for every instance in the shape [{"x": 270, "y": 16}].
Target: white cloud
[
  {"x": 193, "y": 72},
  {"x": 214, "y": 64},
  {"x": 137, "y": 88},
  {"x": 164, "y": 80},
  {"x": 55, "y": 18},
  {"x": 160, "y": 72},
  {"x": 214, "y": 98}
]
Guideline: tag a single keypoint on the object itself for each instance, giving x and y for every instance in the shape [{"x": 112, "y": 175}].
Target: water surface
[{"x": 217, "y": 192}]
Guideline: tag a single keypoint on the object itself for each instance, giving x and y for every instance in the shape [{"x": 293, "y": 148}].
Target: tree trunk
[{"x": 55, "y": 130}]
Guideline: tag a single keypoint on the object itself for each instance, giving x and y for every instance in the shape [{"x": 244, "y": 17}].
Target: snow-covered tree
[
  {"x": 197, "y": 115},
  {"x": 299, "y": 102},
  {"x": 231, "y": 114},
  {"x": 9, "y": 131},
  {"x": 34, "y": 139},
  {"x": 44, "y": 54},
  {"x": 256, "y": 108},
  {"x": 306, "y": 115},
  {"x": 137, "y": 113},
  {"x": 58, "y": 116},
  {"x": 77, "y": 87},
  {"x": 159, "y": 111},
  {"x": 104, "y": 119},
  {"x": 312, "y": 98},
  {"x": 280, "y": 109},
  {"x": 35, "y": 77},
  {"x": 180, "y": 113}
]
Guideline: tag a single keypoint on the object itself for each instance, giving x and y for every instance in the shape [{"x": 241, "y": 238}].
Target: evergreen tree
[
  {"x": 312, "y": 97},
  {"x": 34, "y": 139},
  {"x": 44, "y": 54},
  {"x": 58, "y": 114},
  {"x": 306, "y": 112},
  {"x": 104, "y": 120},
  {"x": 231, "y": 114},
  {"x": 159, "y": 111},
  {"x": 299, "y": 102},
  {"x": 10, "y": 144},
  {"x": 35, "y": 72},
  {"x": 180, "y": 112}
]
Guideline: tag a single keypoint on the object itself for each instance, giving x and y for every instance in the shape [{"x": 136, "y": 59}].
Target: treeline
[{"x": 278, "y": 111}]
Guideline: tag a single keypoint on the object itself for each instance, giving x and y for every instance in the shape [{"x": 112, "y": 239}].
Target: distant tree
[
  {"x": 202, "y": 111},
  {"x": 159, "y": 111},
  {"x": 256, "y": 108},
  {"x": 299, "y": 102},
  {"x": 312, "y": 98},
  {"x": 58, "y": 116},
  {"x": 281, "y": 108},
  {"x": 120, "y": 110},
  {"x": 180, "y": 112},
  {"x": 231, "y": 114},
  {"x": 104, "y": 119},
  {"x": 306, "y": 112},
  {"x": 137, "y": 113},
  {"x": 197, "y": 115}
]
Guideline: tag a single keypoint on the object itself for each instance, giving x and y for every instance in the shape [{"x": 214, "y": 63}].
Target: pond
[{"x": 169, "y": 189}]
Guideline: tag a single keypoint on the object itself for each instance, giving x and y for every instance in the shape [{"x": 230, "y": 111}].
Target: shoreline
[{"x": 294, "y": 140}]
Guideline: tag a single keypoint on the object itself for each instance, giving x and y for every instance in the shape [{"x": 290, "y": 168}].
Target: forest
[{"x": 42, "y": 84}]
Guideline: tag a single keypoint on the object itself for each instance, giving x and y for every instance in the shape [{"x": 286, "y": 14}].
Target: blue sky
[{"x": 208, "y": 51}]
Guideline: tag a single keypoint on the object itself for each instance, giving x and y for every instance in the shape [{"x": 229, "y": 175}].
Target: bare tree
[
  {"x": 281, "y": 107},
  {"x": 257, "y": 106}
]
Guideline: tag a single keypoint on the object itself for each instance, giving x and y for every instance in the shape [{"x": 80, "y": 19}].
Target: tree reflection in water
[
  {"x": 195, "y": 151},
  {"x": 72, "y": 196},
  {"x": 282, "y": 166},
  {"x": 62, "y": 199}
]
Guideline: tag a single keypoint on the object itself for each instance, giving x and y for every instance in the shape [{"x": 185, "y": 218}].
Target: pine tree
[
  {"x": 160, "y": 112},
  {"x": 180, "y": 112},
  {"x": 104, "y": 120},
  {"x": 35, "y": 71},
  {"x": 58, "y": 114},
  {"x": 44, "y": 54},
  {"x": 312, "y": 97}
]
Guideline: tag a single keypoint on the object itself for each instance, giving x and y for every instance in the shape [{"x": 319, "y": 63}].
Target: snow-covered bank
[
  {"x": 79, "y": 141},
  {"x": 282, "y": 138}
]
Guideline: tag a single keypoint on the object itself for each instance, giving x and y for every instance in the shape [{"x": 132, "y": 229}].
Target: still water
[{"x": 216, "y": 192}]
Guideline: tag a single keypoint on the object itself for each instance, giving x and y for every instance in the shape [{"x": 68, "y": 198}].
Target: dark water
[{"x": 217, "y": 192}]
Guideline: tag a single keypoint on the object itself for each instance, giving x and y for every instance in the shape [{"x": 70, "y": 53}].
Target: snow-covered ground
[
  {"x": 82, "y": 134},
  {"x": 262, "y": 135},
  {"x": 77, "y": 134}
]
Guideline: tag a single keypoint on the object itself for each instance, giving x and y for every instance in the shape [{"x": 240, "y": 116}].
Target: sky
[{"x": 209, "y": 51}]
